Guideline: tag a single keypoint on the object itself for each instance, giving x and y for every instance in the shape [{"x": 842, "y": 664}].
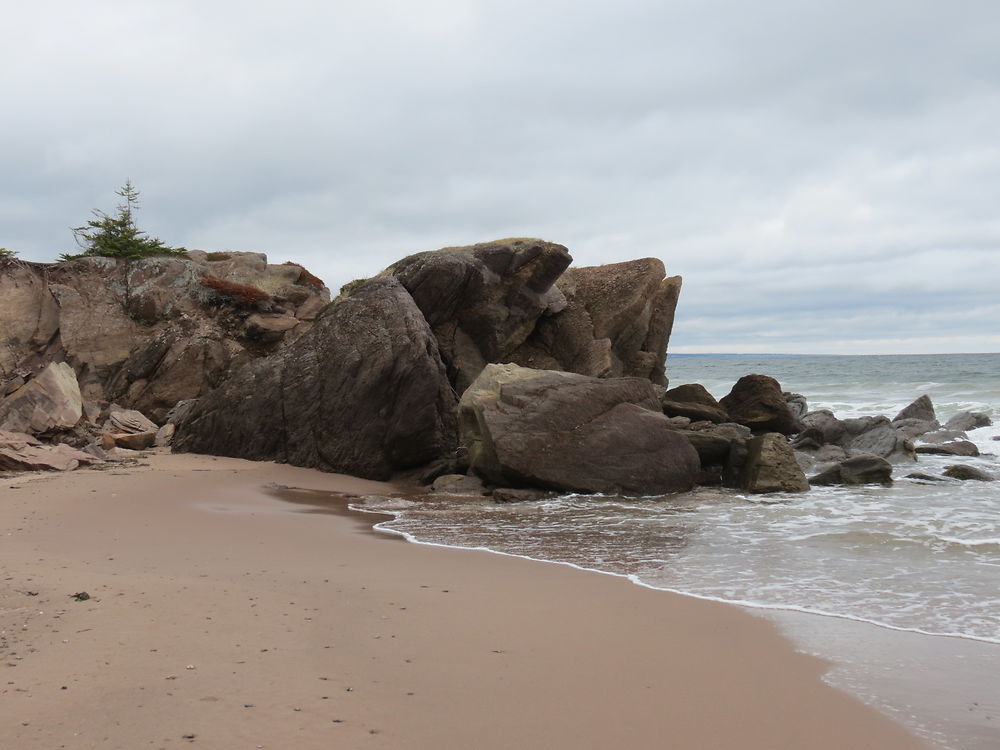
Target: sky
[{"x": 824, "y": 175}]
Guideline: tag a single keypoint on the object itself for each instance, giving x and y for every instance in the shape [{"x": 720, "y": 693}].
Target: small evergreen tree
[
  {"x": 5, "y": 253},
  {"x": 118, "y": 236}
]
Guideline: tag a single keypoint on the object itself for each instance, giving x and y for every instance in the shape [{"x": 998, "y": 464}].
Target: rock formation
[
  {"x": 757, "y": 401},
  {"x": 147, "y": 333}
]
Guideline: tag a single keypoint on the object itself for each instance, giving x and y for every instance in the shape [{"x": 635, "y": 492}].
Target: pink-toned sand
[{"x": 222, "y": 612}]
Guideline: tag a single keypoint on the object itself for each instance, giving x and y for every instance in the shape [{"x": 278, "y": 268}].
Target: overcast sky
[{"x": 824, "y": 175}]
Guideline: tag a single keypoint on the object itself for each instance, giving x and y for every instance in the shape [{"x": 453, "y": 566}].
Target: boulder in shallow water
[
  {"x": 558, "y": 430},
  {"x": 956, "y": 448},
  {"x": 964, "y": 472},
  {"x": 864, "y": 469},
  {"x": 757, "y": 401},
  {"x": 823, "y": 427},
  {"x": 922, "y": 408},
  {"x": 882, "y": 439},
  {"x": 914, "y": 428},
  {"x": 770, "y": 466},
  {"x": 968, "y": 420}
]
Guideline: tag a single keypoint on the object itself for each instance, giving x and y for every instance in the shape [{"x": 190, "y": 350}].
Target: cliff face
[{"x": 148, "y": 333}]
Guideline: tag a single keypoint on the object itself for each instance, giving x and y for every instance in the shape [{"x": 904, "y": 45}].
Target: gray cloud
[{"x": 822, "y": 174}]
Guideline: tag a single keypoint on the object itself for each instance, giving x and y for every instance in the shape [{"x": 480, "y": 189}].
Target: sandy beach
[{"x": 225, "y": 617}]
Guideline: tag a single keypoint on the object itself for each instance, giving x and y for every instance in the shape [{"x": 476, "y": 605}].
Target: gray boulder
[
  {"x": 914, "y": 428},
  {"x": 821, "y": 425},
  {"x": 968, "y": 420},
  {"x": 569, "y": 432},
  {"x": 864, "y": 469},
  {"x": 797, "y": 403},
  {"x": 882, "y": 439},
  {"x": 964, "y": 472},
  {"x": 956, "y": 448},
  {"x": 921, "y": 409},
  {"x": 757, "y": 402},
  {"x": 363, "y": 392}
]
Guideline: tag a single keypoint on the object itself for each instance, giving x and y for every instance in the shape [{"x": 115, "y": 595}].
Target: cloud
[{"x": 823, "y": 175}]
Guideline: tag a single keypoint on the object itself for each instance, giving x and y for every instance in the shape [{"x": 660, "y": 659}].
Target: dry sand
[{"x": 222, "y": 612}]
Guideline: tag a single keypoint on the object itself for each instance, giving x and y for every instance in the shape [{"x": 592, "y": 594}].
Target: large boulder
[
  {"x": 616, "y": 322},
  {"x": 23, "y": 452},
  {"x": 758, "y": 402},
  {"x": 50, "y": 402},
  {"x": 569, "y": 432},
  {"x": 862, "y": 469},
  {"x": 770, "y": 466},
  {"x": 822, "y": 426},
  {"x": 694, "y": 402},
  {"x": 484, "y": 300},
  {"x": 363, "y": 392},
  {"x": 922, "y": 409}
]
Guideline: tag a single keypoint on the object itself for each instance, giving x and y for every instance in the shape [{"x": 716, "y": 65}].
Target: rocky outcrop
[
  {"x": 483, "y": 301},
  {"x": 570, "y": 432},
  {"x": 49, "y": 403},
  {"x": 758, "y": 402},
  {"x": 363, "y": 392},
  {"x": 863, "y": 469},
  {"x": 615, "y": 322},
  {"x": 23, "y": 452},
  {"x": 149, "y": 332}
]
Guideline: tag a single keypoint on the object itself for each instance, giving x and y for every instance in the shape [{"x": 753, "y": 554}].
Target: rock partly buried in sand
[
  {"x": 50, "y": 402},
  {"x": 458, "y": 484},
  {"x": 483, "y": 301},
  {"x": 968, "y": 420},
  {"x": 616, "y": 322},
  {"x": 694, "y": 402},
  {"x": 363, "y": 392},
  {"x": 569, "y": 432},
  {"x": 864, "y": 469},
  {"x": 963, "y": 472},
  {"x": 921, "y": 409},
  {"x": 758, "y": 402},
  {"x": 956, "y": 448},
  {"x": 770, "y": 466},
  {"x": 23, "y": 452},
  {"x": 135, "y": 441}
]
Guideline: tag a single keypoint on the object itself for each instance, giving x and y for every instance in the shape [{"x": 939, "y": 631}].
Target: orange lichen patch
[
  {"x": 306, "y": 278},
  {"x": 241, "y": 294}
]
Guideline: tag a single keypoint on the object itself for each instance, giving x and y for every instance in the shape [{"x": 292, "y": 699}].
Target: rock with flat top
[
  {"x": 136, "y": 441},
  {"x": 770, "y": 466},
  {"x": 955, "y": 448},
  {"x": 129, "y": 421}
]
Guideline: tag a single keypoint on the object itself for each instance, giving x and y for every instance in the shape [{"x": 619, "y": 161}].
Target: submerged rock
[
  {"x": 964, "y": 472},
  {"x": 569, "y": 432},
  {"x": 863, "y": 469}
]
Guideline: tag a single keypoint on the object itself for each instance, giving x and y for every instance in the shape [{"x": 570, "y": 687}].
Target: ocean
[{"x": 899, "y": 587}]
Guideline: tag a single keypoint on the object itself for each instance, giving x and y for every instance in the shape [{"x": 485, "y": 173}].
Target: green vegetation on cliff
[{"x": 118, "y": 236}]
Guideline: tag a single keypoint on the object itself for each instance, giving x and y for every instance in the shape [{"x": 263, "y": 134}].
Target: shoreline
[{"x": 303, "y": 633}]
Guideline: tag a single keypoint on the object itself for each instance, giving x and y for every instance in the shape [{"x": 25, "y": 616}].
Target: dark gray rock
[
  {"x": 757, "y": 402},
  {"x": 864, "y": 469},
  {"x": 693, "y": 401},
  {"x": 568, "y": 432},
  {"x": 483, "y": 301},
  {"x": 921, "y": 409},
  {"x": 822, "y": 421},
  {"x": 882, "y": 439},
  {"x": 957, "y": 448},
  {"x": 964, "y": 472},
  {"x": 914, "y": 428},
  {"x": 921, "y": 477},
  {"x": 942, "y": 436},
  {"x": 363, "y": 392},
  {"x": 797, "y": 403},
  {"x": 968, "y": 420}
]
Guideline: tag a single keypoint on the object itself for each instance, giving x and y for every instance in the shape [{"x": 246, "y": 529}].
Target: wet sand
[{"x": 225, "y": 617}]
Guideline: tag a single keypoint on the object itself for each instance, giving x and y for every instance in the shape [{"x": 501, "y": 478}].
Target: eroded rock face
[
  {"x": 616, "y": 322},
  {"x": 147, "y": 332},
  {"x": 483, "y": 301},
  {"x": 48, "y": 403},
  {"x": 758, "y": 402},
  {"x": 770, "y": 466},
  {"x": 363, "y": 392},
  {"x": 569, "y": 432}
]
